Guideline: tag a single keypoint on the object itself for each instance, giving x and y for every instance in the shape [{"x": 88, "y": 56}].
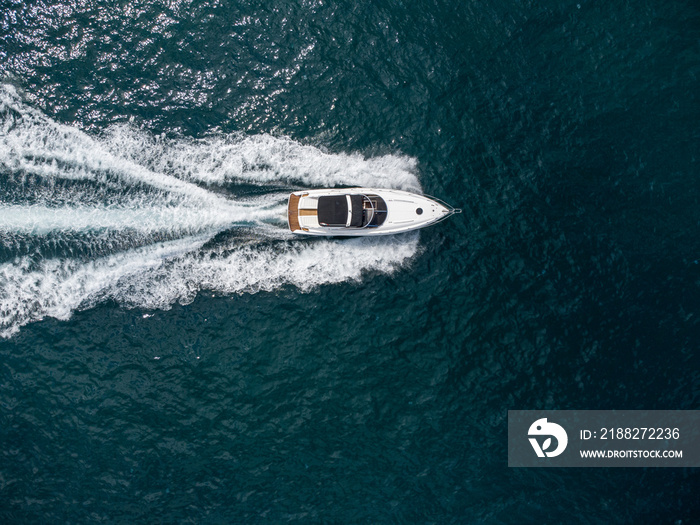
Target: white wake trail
[
  {"x": 58, "y": 287},
  {"x": 149, "y": 221},
  {"x": 40, "y": 219},
  {"x": 261, "y": 159}
]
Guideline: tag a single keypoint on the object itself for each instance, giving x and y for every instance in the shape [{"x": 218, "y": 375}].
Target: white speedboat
[{"x": 362, "y": 212}]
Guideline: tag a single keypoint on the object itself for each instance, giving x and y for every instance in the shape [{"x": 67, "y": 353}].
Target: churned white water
[{"x": 168, "y": 198}]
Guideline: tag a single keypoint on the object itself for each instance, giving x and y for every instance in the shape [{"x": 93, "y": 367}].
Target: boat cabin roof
[{"x": 340, "y": 210}]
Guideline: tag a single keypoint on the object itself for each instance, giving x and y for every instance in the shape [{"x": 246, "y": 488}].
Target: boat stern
[{"x": 293, "y": 213}]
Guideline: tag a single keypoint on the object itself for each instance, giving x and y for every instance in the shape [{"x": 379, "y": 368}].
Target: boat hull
[{"x": 404, "y": 212}]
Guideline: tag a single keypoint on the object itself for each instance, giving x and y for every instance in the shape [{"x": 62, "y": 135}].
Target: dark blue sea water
[{"x": 170, "y": 354}]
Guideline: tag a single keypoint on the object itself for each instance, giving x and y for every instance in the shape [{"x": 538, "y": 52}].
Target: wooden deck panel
[
  {"x": 293, "y": 212},
  {"x": 307, "y": 212}
]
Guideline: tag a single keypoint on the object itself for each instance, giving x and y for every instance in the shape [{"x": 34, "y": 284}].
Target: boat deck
[{"x": 293, "y": 212}]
